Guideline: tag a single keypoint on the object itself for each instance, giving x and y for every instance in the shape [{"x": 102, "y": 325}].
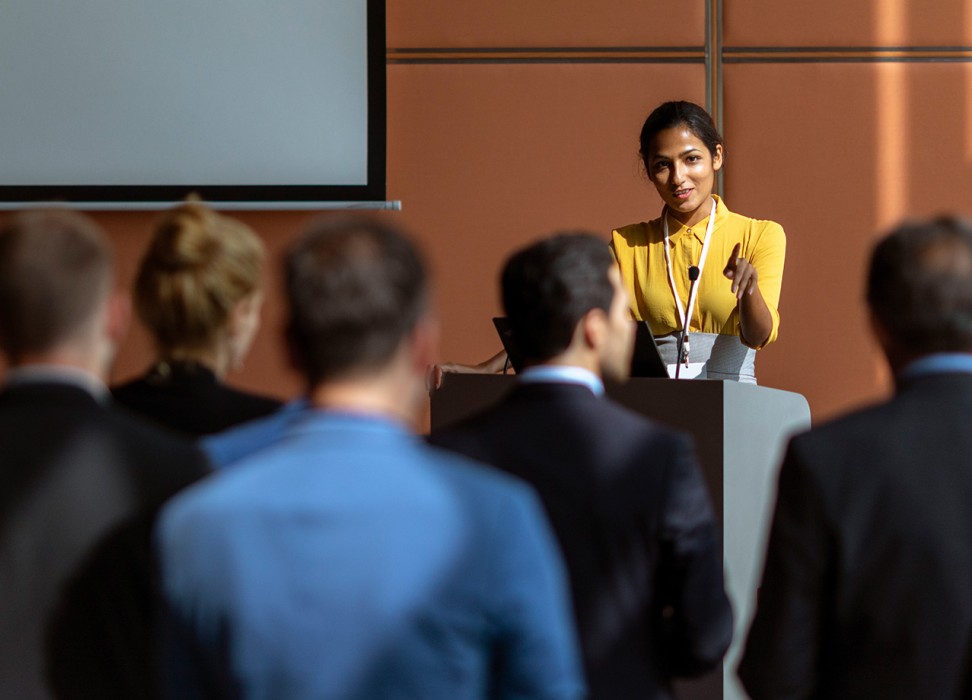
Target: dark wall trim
[
  {"x": 599, "y": 54},
  {"x": 713, "y": 73},
  {"x": 854, "y": 54}
]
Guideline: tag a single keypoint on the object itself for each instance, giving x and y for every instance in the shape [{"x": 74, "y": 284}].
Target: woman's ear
[
  {"x": 717, "y": 157},
  {"x": 244, "y": 321}
]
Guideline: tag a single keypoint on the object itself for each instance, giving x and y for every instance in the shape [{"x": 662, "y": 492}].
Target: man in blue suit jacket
[
  {"x": 348, "y": 559},
  {"x": 624, "y": 494}
]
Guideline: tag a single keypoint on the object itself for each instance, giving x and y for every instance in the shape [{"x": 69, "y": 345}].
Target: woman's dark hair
[{"x": 672, "y": 114}]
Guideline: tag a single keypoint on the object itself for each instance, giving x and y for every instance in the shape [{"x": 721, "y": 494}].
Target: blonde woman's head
[{"x": 198, "y": 286}]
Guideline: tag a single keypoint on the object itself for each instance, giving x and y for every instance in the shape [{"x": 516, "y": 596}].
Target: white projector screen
[{"x": 142, "y": 101}]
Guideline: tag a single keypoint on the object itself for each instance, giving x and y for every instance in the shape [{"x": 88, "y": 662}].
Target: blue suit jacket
[
  {"x": 243, "y": 440},
  {"x": 351, "y": 560}
]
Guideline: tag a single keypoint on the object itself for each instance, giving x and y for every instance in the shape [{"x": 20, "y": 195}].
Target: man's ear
[
  {"x": 118, "y": 316},
  {"x": 880, "y": 333},
  {"x": 295, "y": 358},
  {"x": 425, "y": 343},
  {"x": 896, "y": 358},
  {"x": 592, "y": 329}
]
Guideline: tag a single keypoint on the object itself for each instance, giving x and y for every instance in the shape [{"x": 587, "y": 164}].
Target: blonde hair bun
[{"x": 198, "y": 266}]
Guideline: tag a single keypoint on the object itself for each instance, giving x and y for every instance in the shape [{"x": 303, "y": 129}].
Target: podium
[{"x": 740, "y": 432}]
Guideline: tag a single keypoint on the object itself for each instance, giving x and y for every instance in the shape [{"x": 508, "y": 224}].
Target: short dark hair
[
  {"x": 356, "y": 288},
  {"x": 919, "y": 285},
  {"x": 55, "y": 269},
  {"x": 550, "y": 285},
  {"x": 672, "y": 114}
]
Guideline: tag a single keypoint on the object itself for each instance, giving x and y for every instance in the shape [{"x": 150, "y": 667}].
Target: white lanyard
[{"x": 686, "y": 318}]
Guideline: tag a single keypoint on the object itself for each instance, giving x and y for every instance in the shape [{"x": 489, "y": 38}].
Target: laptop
[{"x": 646, "y": 361}]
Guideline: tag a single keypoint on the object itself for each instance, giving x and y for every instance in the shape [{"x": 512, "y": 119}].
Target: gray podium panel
[{"x": 740, "y": 433}]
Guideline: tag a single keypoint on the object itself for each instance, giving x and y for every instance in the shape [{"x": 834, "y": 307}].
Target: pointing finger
[{"x": 731, "y": 263}]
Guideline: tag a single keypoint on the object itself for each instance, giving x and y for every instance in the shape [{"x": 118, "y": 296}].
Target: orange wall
[{"x": 488, "y": 155}]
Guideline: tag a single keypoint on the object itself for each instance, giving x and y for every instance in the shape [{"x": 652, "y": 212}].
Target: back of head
[
  {"x": 198, "y": 266},
  {"x": 549, "y": 286},
  {"x": 56, "y": 270},
  {"x": 919, "y": 286},
  {"x": 356, "y": 288}
]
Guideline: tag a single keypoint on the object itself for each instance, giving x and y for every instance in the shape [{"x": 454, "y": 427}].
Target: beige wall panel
[
  {"x": 808, "y": 158},
  {"x": 484, "y": 159},
  {"x": 840, "y": 153},
  {"x": 487, "y": 158},
  {"x": 545, "y": 23},
  {"x": 843, "y": 23}
]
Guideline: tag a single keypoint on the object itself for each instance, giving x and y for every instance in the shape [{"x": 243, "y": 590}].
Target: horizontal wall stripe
[
  {"x": 629, "y": 54},
  {"x": 683, "y": 54},
  {"x": 872, "y": 54}
]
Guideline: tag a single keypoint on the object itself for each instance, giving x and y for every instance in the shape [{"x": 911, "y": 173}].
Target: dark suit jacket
[
  {"x": 633, "y": 518},
  {"x": 867, "y": 589},
  {"x": 79, "y": 484},
  {"x": 189, "y": 398}
]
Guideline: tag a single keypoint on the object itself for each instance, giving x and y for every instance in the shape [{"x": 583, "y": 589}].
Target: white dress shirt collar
[{"x": 563, "y": 374}]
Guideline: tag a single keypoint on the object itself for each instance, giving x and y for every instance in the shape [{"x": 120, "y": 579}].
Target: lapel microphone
[{"x": 683, "y": 339}]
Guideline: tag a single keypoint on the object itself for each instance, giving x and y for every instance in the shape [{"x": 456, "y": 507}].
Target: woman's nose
[{"x": 677, "y": 173}]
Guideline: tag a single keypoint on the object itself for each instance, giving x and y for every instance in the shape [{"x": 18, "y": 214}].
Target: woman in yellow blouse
[
  {"x": 738, "y": 261},
  {"x": 734, "y": 308}
]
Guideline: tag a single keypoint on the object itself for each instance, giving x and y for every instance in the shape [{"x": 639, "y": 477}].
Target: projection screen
[{"x": 109, "y": 103}]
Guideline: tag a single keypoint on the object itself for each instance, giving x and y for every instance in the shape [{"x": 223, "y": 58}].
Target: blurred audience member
[
  {"x": 348, "y": 559},
  {"x": 867, "y": 587},
  {"x": 198, "y": 292},
  {"x": 78, "y": 481},
  {"x": 625, "y": 495}
]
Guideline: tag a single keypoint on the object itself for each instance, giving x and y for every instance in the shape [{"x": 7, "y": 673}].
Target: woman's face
[{"x": 683, "y": 171}]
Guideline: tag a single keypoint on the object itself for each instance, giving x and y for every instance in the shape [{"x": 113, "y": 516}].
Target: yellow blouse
[{"x": 639, "y": 249}]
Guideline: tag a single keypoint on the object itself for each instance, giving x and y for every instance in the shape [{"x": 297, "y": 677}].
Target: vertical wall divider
[{"x": 713, "y": 71}]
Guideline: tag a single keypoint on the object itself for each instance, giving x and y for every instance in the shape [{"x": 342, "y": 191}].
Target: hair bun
[{"x": 187, "y": 239}]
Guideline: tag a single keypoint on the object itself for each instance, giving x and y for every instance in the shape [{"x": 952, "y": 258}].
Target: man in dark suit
[
  {"x": 625, "y": 495},
  {"x": 78, "y": 481},
  {"x": 867, "y": 587}
]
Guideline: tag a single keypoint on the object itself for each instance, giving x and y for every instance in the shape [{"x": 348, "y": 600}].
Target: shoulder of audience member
[
  {"x": 477, "y": 476},
  {"x": 170, "y": 456}
]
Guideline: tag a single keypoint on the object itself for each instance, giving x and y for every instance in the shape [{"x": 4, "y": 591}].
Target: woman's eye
[{"x": 694, "y": 158}]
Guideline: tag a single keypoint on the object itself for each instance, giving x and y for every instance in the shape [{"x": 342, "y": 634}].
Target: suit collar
[
  {"x": 940, "y": 363},
  {"x": 553, "y": 389},
  {"x": 51, "y": 392},
  {"x": 562, "y": 374},
  {"x": 314, "y": 419},
  {"x": 938, "y": 381},
  {"x": 57, "y": 375}
]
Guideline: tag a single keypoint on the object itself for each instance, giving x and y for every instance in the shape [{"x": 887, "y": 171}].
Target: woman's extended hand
[
  {"x": 755, "y": 320},
  {"x": 742, "y": 273}
]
